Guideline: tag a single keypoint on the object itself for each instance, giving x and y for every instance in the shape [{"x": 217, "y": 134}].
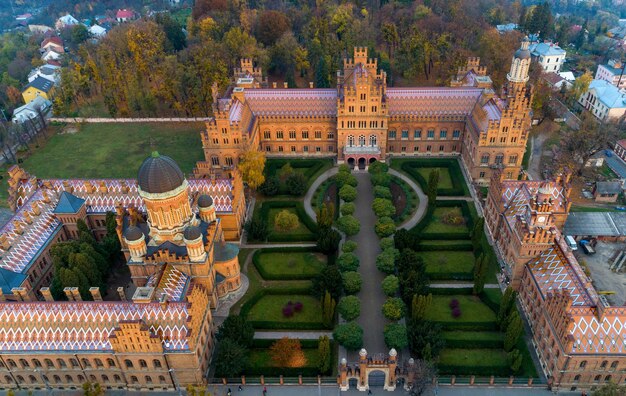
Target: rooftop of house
[
  {"x": 33, "y": 105},
  {"x": 608, "y": 94},
  {"x": 613, "y": 68},
  {"x": 41, "y": 84},
  {"x": 56, "y": 40},
  {"x": 546, "y": 49},
  {"x": 606, "y": 187},
  {"x": 506, "y": 27},
  {"x": 595, "y": 224},
  {"x": 552, "y": 78},
  {"x": 125, "y": 14},
  {"x": 68, "y": 20}
]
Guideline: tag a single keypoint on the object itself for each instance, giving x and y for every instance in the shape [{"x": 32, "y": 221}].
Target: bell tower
[{"x": 518, "y": 74}]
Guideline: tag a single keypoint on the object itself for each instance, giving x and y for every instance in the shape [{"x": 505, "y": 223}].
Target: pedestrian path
[
  {"x": 274, "y": 245},
  {"x": 423, "y": 200},
  {"x": 308, "y": 197},
  {"x": 461, "y": 285},
  {"x": 303, "y": 335}
]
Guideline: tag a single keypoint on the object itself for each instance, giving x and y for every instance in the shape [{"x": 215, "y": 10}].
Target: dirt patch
[
  {"x": 69, "y": 129},
  {"x": 398, "y": 197}
]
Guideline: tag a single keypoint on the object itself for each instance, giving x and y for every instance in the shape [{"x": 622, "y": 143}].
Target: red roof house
[{"x": 124, "y": 15}]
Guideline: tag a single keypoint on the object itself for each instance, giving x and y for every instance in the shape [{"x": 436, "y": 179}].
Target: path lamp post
[{"x": 175, "y": 382}]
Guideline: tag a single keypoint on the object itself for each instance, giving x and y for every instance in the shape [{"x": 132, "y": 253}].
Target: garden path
[
  {"x": 423, "y": 200},
  {"x": 462, "y": 285},
  {"x": 308, "y": 197},
  {"x": 303, "y": 335},
  {"x": 371, "y": 295}
]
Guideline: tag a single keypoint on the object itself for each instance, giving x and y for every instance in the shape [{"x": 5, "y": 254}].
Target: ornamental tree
[
  {"x": 349, "y": 335},
  {"x": 251, "y": 166},
  {"x": 345, "y": 178},
  {"x": 238, "y": 329},
  {"x": 383, "y": 207},
  {"x": 296, "y": 184},
  {"x": 231, "y": 359},
  {"x": 349, "y": 307},
  {"x": 348, "y": 247},
  {"x": 385, "y": 227},
  {"x": 351, "y": 282},
  {"x": 348, "y": 262},
  {"x": 390, "y": 285},
  {"x": 387, "y": 243},
  {"x": 286, "y": 221},
  {"x": 347, "y": 193},
  {"x": 385, "y": 261},
  {"x": 287, "y": 352},
  {"x": 394, "y": 308},
  {"x": 396, "y": 336},
  {"x": 349, "y": 225},
  {"x": 347, "y": 208},
  {"x": 382, "y": 192}
]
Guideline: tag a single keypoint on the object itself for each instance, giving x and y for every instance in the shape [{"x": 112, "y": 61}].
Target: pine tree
[
  {"x": 506, "y": 304},
  {"x": 321, "y": 74},
  {"x": 515, "y": 360},
  {"x": 477, "y": 233},
  {"x": 420, "y": 305},
  {"x": 433, "y": 183},
  {"x": 328, "y": 309},
  {"x": 480, "y": 273},
  {"x": 513, "y": 330},
  {"x": 323, "y": 352}
]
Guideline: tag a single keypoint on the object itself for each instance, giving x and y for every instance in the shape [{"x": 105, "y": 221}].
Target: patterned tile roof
[
  {"x": 86, "y": 326},
  {"x": 516, "y": 196},
  {"x": 432, "y": 101},
  {"x": 596, "y": 327},
  {"x": 292, "y": 102}
]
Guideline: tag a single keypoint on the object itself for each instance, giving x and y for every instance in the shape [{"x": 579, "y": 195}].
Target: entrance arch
[
  {"x": 351, "y": 162},
  {"x": 372, "y": 160},
  {"x": 362, "y": 163},
  {"x": 376, "y": 378}
]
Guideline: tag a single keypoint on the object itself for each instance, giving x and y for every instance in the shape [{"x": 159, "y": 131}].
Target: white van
[{"x": 571, "y": 242}]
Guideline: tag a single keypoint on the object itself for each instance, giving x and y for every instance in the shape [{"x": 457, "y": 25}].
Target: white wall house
[
  {"x": 614, "y": 72},
  {"x": 31, "y": 110},
  {"x": 549, "y": 55},
  {"x": 603, "y": 100}
]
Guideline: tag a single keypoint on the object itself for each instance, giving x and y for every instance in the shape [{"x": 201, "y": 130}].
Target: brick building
[
  {"x": 172, "y": 231},
  {"x": 362, "y": 120}
]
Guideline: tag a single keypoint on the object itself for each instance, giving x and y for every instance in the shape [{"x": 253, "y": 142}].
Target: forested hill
[{"x": 149, "y": 67}]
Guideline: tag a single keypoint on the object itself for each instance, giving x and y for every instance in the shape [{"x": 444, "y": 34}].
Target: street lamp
[{"x": 176, "y": 384}]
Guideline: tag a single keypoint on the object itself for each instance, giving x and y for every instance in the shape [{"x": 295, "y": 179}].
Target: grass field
[
  {"x": 115, "y": 150},
  {"x": 269, "y": 308},
  {"x": 472, "y": 310},
  {"x": 438, "y": 226},
  {"x": 448, "y": 261},
  {"x": 473, "y": 357},
  {"x": 487, "y": 336},
  {"x": 445, "y": 181},
  {"x": 276, "y": 265},
  {"x": 272, "y": 213}
]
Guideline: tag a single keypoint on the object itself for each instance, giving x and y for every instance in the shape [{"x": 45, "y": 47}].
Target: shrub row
[
  {"x": 302, "y": 216},
  {"x": 266, "y": 276},
  {"x": 469, "y": 326},
  {"x": 271, "y": 325},
  {"x": 410, "y": 196},
  {"x": 452, "y": 164},
  {"x": 306, "y": 344},
  {"x": 450, "y": 291},
  {"x": 428, "y": 217},
  {"x": 309, "y": 167},
  {"x": 269, "y": 371},
  {"x": 464, "y": 246}
]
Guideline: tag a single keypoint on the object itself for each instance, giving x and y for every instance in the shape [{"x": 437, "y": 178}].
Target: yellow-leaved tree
[
  {"x": 287, "y": 352},
  {"x": 251, "y": 166}
]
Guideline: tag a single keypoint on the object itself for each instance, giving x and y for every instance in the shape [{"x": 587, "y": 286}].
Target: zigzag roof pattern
[
  {"x": 292, "y": 102},
  {"x": 86, "y": 326},
  {"x": 432, "y": 101},
  {"x": 596, "y": 328}
]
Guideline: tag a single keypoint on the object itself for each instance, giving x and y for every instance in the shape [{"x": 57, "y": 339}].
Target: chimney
[
  {"x": 274, "y": 85},
  {"x": 68, "y": 293},
  {"x": 47, "y": 295},
  {"x": 21, "y": 293},
  {"x": 2, "y": 297},
  {"x": 76, "y": 294},
  {"x": 285, "y": 85},
  {"x": 95, "y": 293},
  {"x": 311, "y": 84},
  {"x": 120, "y": 291}
]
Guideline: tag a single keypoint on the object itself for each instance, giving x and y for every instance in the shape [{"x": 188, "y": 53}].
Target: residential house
[
  {"x": 49, "y": 72},
  {"x": 604, "y": 100},
  {"x": 568, "y": 76},
  {"x": 40, "y": 29},
  {"x": 50, "y": 55},
  {"x": 24, "y": 17},
  {"x": 506, "y": 28},
  {"x": 97, "y": 31},
  {"x": 607, "y": 191},
  {"x": 54, "y": 43},
  {"x": 65, "y": 21},
  {"x": 614, "y": 72},
  {"x": 31, "y": 110},
  {"x": 38, "y": 87},
  {"x": 124, "y": 15},
  {"x": 549, "y": 55},
  {"x": 556, "y": 81},
  {"x": 620, "y": 149}
]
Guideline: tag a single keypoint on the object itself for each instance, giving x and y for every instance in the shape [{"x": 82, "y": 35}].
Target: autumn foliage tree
[
  {"x": 287, "y": 352},
  {"x": 251, "y": 167}
]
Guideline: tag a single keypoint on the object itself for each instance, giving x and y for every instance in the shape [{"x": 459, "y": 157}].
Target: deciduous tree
[
  {"x": 349, "y": 307},
  {"x": 287, "y": 352},
  {"x": 349, "y": 335},
  {"x": 251, "y": 167},
  {"x": 396, "y": 336}
]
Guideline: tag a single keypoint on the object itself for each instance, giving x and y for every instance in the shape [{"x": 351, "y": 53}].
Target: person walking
[
  {"x": 239, "y": 388},
  {"x": 264, "y": 390},
  {"x": 229, "y": 392}
]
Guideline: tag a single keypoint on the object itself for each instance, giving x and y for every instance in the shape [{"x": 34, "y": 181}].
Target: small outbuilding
[{"x": 607, "y": 191}]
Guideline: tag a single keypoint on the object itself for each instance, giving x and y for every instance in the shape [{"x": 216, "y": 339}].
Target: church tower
[{"x": 519, "y": 66}]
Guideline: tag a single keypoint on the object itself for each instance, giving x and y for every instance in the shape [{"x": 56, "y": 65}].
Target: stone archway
[
  {"x": 371, "y": 371},
  {"x": 372, "y": 160},
  {"x": 362, "y": 163},
  {"x": 351, "y": 162},
  {"x": 376, "y": 378}
]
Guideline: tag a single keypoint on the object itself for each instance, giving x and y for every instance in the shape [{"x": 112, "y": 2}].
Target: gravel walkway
[
  {"x": 303, "y": 335},
  {"x": 372, "y": 297}
]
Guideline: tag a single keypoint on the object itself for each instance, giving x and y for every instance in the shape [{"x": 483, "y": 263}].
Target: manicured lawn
[
  {"x": 310, "y": 168},
  {"x": 486, "y": 336},
  {"x": 438, "y": 226},
  {"x": 272, "y": 213},
  {"x": 269, "y": 309},
  {"x": 445, "y": 181},
  {"x": 472, "y": 310},
  {"x": 448, "y": 261},
  {"x": 260, "y": 358},
  {"x": 285, "y": 265},
  {"x": 473, "y": 358},
  {"x": 115, "y": 150}
]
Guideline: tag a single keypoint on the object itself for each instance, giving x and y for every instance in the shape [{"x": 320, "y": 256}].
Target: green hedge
[
  {"x": 410, "y": 166},
  {"x": 498, "y": 371},
  {"x": 468, "y": 276},
  {"x": 476, "y": 326},
  {"x": 318, "y": 197},
  {"x": 308, "y": 167},
  {"x": 456, "y": 245},
  {"x": 481, "y": 344},
  {"x": 302, "y": 216},
  {"x": 450, "y": 291},
  {"x": 307, "y": 344},
  {"x": 428, "y": 217},
  {"x": 266, "y": 276},
  {"x": 411, "y": 200},
  {"x": 488, "y": 299}
]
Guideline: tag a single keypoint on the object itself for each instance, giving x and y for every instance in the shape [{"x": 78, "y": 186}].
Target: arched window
[
  {"x": 142, "y": 363},
  {"x": 128, "y": 363},
  {"x": 577, "y": 378},
  {"x": 484, "y": 159},
  {"x": 597, "y": 378},
  {"x": 614, "y": 365},
  {"x": 36, "y": 363},
  {"x": 8, "y": 379},
  {"x": 81, "y": 379},
  {"x": 74, "y": 362},
  {"x": 604, "y": 363},
  {"x": 583, "y": 364},
  {"x": 156, "y": 363},
  {"x": 49, "y": 363},
  {"x": 61, "y": 363},
  {"x": 111, "y": 362},
  {"x": 11, "y": 363},
  {"x": 608, "y": 378},
  {"x": 57, "y": 379},
  {"x": 373, "y": 140},
  {"x": 24, "y": 363},
  {"x": 133, "y": 379},
  {"x": 350, "y": 141},
  {"x": 361, "y": 140},
  {"x": 105, "y": 378},
  {"x": 68, "y": 378},
  {"x": 229, "y": 160},
  {"x": 499, "y": 159},
  {"x": 215, "y": 160},
  {"x": 20, "y": 379},
  {"x": 148, "y": 379},
  {"x": 98, "y": 362},
  {"x": 32, "y": 379},
  {"x": 86, "y": 362},
  {"x": 117, "y": 378},
  {"x": 161, "y": 379}
]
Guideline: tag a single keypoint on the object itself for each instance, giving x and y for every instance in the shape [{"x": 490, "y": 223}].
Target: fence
[{"x": 78, "y": 120}]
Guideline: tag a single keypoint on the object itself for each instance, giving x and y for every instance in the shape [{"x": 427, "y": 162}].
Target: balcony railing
[{"x": 375, "y": 150}]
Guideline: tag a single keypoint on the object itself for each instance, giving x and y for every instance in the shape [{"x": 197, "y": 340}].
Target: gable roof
[
  {"x": 432, "y": 101},
  {"x": 125, "y": 14},
  {"x": 292, "y": 102},
  {"x": 68, "y": 203},
  {"x": 546, "y": 49},
  {"x": 41, "y": 84},
  {"x": 56, "y": 40},
  {"x": 608, "y": 94},
  {"x": 608, "y": 187}
]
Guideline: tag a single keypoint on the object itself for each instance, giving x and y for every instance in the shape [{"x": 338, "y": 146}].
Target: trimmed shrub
[
  {"x": 387, "y": 243},
  {"x": 257, "y": 229},
  {"x": 345, "y": 178},
  {"x": 385, "y": 262},
  {"x": 381, "y": 179},
  {"x": 349, "y": 247},
  {"x": 286, "y": 221},
  {"x": 344, "y": 168},
  {"x": 377, "y": 167},
  {"x": 347, "y": 208},
  {"x": 347, "y": 193},
  {"x": 382, "y": 192},
  {"x": 296, "y": 184},
  {"x": 349, "y": 335},
  {"x": 396, "y": 336},
  {"x": 348, "y": 262},
  {"x": 351, "y": 282},
  {"x": 390, "y": 285},
  {"x": 394, "y": 308},
  {"x": 349, "y": 307},
  {"x": 270, "y": 187},
  {"x": 385, "y": 227},
  {"x": 383, "y": 207},
  {"x": 349, "y": 225}
]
